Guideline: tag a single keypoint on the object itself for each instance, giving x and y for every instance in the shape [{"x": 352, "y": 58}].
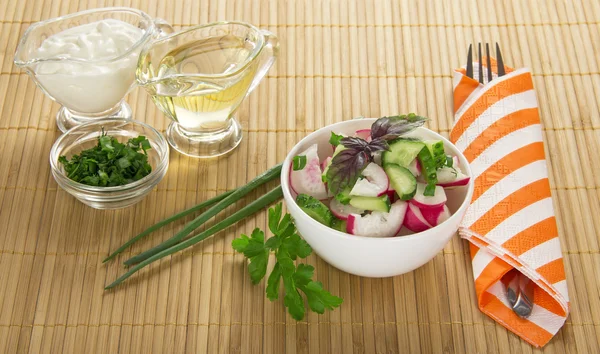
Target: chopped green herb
[
  {"x": 335, "y": 139},
  {"x": 429, "y": 190},
  {"x": 299, "y": 162},
  {"x": 449, "y": 161},
  {"x": 110, "y": 163},
  {"x": 287, "y": 246}
]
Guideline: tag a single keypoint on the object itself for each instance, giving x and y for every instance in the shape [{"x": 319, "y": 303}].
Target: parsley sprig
[
  {"x": 109, "y": 163},
  {"x": 287, "y": 246}
]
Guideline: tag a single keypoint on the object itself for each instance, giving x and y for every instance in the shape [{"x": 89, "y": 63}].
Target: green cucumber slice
[
  {"x": 339, "y": 224},
  {"x": 315, "y": 209},
  {"x": 402, "y": 152},
  {"x": 372, "y": 203},
  {"x": 344, "y": 196},
  {"x": 402, "y": 180},
  {"x": 436, "y": 147},
  {"x": 428, "y": 166}
]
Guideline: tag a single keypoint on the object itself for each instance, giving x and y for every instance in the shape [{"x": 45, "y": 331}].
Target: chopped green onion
[
  {"x": 429, "y": 190},
  {"x": 299, "y": 162}
]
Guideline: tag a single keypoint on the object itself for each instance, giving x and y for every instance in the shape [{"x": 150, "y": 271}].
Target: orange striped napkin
[{"x": 510, "y": 223}]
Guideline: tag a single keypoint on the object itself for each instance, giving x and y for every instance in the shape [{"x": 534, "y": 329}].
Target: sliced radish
[
  {"x": 391, "y": 195},
  {"x": 436, "y": 216},
  {"x": 308, "y": 180},
  {"x": 326, "y": 163},
  {"x": 414, "y": 220},
  {"x": 364, "y": 134},
  {"x": 415, "y": 167},
  {"x": 455, "y": 162},
  {"x": 375, "y": 183},
  {"x": 451, "y": 177},
  {"x": 342, "y": 211},
  {"x": 422, "y": 201},
  {"x": 378, "y": 224}
]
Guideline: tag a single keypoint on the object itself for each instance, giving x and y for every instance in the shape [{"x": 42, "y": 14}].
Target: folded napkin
[{"x": 510, "y": 223}]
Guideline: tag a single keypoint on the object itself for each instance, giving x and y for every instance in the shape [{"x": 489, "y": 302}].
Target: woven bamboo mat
[{"x": 338, "y": 60}]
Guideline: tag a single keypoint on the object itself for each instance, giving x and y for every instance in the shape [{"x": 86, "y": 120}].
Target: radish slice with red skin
[
  {"x": 436, "y": 216},
  {"x": 455, "y": 162},
  {"x": 451, "y": 177},
  {"x": 376, "y": 182},
  {"x": 415, "y": 168},
  {"x": 459, "y": 182},
  {"x": 391, "y": 195},
  {"x": 342, "y": 211},
  {"x": 378, "y": 224},
  {"x": 326, "y": 162},
  {"x": 364, "y": 134},
  {"x": 414, "y": 220},
  {"x": 308, "y": 180},
  {"x": 422, "y": 201}
]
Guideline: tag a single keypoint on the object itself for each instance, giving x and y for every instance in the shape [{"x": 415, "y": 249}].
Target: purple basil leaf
[
  {"x": 354, "y": 143},
  {"x": 345, "y": 168},
  {"x": 377, "y": 145},
  {"x": 387, "y": 128}
]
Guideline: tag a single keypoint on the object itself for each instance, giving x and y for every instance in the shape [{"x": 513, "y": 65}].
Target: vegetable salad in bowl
[{"x": 379, "y": 182}]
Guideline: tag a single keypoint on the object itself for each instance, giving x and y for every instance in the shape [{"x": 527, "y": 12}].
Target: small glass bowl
[{"x": 84, "y": 137}]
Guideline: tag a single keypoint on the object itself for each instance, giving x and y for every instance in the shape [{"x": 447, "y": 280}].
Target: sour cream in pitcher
[{"x": 100, "y": 71}]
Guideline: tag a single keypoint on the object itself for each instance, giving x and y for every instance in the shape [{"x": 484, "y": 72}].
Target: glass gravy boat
[
  {"x": 198, "y": 77},
  {"x": 87, "y": 89}
]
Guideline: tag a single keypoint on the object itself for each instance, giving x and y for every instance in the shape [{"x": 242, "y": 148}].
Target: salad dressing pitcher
[{"x": 198, "y": 78}]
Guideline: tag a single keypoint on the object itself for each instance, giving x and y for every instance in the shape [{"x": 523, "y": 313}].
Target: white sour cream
[{"x": 100, "y": 79}]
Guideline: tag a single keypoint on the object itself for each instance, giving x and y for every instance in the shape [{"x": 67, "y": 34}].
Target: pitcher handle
[
  {"x": 272, "y": 50},
  {"x": 164, "y": 28}
]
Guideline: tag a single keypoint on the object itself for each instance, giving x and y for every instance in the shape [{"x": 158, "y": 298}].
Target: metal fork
[
  {"x": 501, "y": 70},
  {"x": 519, "y": 288}
]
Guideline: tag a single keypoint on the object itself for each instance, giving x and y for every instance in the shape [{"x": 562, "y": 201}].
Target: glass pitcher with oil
[{"x": 198, "y": 77}]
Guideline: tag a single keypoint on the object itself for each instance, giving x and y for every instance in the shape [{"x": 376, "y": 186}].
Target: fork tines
[{"x": 501, "y": 70}]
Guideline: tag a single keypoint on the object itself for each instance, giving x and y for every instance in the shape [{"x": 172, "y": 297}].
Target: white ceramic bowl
[{"x": 367, "y": 256}]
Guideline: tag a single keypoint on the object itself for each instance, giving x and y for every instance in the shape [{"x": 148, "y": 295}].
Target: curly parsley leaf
[
  {"x": 287, "y": 246},
  {"x": 335, "y": 139},
  {"x": 253, "y": 248},
  {"x": 318, "y": 298}
]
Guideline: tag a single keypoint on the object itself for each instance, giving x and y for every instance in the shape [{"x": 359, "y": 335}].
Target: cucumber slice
[
  {"x": 436, "y": 147},
  {"x": 428, "y": 166},
  {"x": 315, "y": 209},
  {"x": 344, "y": 196},
  {"x": 402, "y": 152},
  {"x": 372, "y": 203},
  {"x": 402, "y": 180},
  {"x": 339, "y": 224}
]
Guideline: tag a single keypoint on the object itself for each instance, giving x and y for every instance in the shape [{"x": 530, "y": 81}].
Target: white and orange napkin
[{"x": 510, "y": 223}]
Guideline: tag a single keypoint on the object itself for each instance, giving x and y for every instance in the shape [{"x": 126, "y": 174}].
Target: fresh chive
[
  {"x": 299, "y": 162},
  {"x": 429, "y": 190},
  {"x": 167, "y": 221},
  {"x": 267, "y": 176},
  {"x": 257, "y": 205}
]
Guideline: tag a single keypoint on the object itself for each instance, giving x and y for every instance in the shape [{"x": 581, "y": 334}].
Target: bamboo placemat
[{"x": 338, "y": 60}]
